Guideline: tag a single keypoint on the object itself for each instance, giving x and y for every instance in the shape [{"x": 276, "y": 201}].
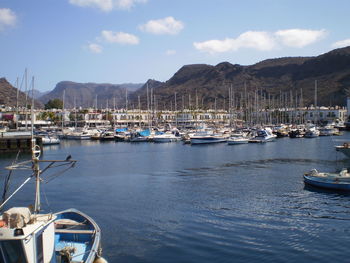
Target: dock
[{"x": 17, "y": 141}]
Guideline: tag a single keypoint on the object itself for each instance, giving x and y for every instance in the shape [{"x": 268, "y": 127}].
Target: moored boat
[
  {"x": 207, "y": 138},
  {"x": 296, "y": 133},
  {"x": 238, "y": 138},
  {"x": 312, "y": 132},
  {"x": 333, "y": 181},
  {"x": 328, "y": 131},
  {"x": 107, "y": 136},
  {"x": 345, "y": 149},
  {"x": 263, "y": 135},
  {"x": 165, "y": 137},
  {"x": 50, "y": 140},
  {"x": 27, "y": 235}
]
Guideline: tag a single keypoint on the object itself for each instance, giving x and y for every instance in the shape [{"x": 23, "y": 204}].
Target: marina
[
  {"x": 176, "y": 203},
  {"x": 140, "y": 131}
]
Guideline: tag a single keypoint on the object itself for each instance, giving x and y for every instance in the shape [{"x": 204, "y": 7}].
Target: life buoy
[{"x": 2, "y": 223}]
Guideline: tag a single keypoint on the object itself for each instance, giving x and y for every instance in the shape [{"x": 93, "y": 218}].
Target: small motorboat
[
  {"x": 296, "y": 133},
  {"x": 165, "y": 137},
  {"x": 107, "y": 136},
  {"x": 238, "y": 138},
  {"x": 264, "y": 135},
  {"x": 345, "y": 149},
  {"x": 50, "y": 140},
  {"x": 312, "y": 132},
  {"x": 334, "y": 181}
]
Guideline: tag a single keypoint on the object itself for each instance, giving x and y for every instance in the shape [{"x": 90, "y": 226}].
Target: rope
[
  {"x": 55, "y": 175},
  {"x": 47, "y": 201}
]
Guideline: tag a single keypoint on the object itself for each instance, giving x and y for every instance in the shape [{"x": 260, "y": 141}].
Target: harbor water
[{"x": 208, "y": 203}]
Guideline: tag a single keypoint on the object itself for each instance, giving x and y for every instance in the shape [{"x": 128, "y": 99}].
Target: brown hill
[
  {"x": 204, "y": 84},
  {"x": 8, "y": 96}
]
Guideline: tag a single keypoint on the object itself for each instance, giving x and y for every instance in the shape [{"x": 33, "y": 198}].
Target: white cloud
[
  {"x": 95, "y": 48},
  {"x": 170, "y": 52},
  {"x": 299, "y": 37},
  {"x": 341, "y": 43},
  {"x": 119, "y": 37},
  {"x": 252, "y": 39},
  {"x": 263, "y": 41},
  {"x": 7, "y": 18},
  {"x": 107, "y": 5},
  {"x": 167, "y": 25}
]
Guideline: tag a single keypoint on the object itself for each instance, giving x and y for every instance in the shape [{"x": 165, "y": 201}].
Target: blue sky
[{"x": 131, "y": 41}]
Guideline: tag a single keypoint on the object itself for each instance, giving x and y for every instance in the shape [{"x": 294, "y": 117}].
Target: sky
[{"x": 131, "y": 41}]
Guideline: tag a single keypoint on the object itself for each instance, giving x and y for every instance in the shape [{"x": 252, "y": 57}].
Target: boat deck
[
  {"x": 73, "y": 238},
  {"x": 80, "y": 249}
]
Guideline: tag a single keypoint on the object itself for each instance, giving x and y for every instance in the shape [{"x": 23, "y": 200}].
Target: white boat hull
[
  {"x": 209, "y": 140},
  {"x": 237, "y": 141},
  {"x": 262, "y": 139},
  {"x": 78, "y": 137},
  {"x": 164, "y": 140},
  {"x": 50, "y": 141}
]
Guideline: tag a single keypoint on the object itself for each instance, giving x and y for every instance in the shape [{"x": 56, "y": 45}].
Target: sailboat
[{"x": 28, "y": 235}]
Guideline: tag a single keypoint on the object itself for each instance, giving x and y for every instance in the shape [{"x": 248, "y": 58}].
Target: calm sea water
[{"x": 208, "y": 203}]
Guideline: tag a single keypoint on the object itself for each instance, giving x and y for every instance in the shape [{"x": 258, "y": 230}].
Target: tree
[{"x": 54, "y": 104}]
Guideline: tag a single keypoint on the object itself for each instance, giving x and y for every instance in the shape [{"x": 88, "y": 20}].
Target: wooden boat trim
[{"x": 75, "y": 231}]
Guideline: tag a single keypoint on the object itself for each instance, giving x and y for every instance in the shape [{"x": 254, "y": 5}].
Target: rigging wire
[{"x": 8, "y": 179}]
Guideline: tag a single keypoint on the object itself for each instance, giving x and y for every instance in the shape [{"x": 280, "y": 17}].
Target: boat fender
[{"x": 100, "y": 260}]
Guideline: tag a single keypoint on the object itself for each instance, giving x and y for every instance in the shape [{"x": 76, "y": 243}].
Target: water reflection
[{"x": 177, "y": 203}]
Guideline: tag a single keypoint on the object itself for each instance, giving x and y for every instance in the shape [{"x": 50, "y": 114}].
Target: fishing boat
[
  {"x": 263, "y": 135},
  {"x": 334, "y": 181},
  {"x": 31, "y": 236},
  {"x": 345, "y": 149}
]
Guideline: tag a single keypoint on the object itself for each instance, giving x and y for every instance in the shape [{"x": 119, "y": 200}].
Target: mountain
[
  {"x": 38, "y": 93},
  {"x": 273, "y": 78},
  {"x": 85, "y": 94},
  {"x": 8, "y": 96},
  {"x": 288, "y": 79}
]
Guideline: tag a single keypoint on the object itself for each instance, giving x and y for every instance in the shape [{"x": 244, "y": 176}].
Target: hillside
[
  {"x": 84, "y": 94},
  {"x": 280, "y": 78},
  {"x": 8, "y": 96},
  {"x": 203, "y": 83}
]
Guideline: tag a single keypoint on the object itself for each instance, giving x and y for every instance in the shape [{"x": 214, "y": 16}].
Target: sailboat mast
[
  {"x": 17, "y": 113},
  {"x": 35, "y": 158},
  {"x": 316, "y": 112},
  {"x": 64, "y": 93}
]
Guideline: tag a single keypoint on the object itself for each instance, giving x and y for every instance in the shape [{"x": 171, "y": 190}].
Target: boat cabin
[{"x": 22, "y": 236}]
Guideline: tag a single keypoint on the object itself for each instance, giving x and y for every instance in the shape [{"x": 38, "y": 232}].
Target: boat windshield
[{"x": 12, "y": 252}]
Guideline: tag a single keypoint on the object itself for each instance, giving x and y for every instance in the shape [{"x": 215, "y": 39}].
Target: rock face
[
  {"x": 8, "y": 96},
  {"x": 272, "y": 78},
  {"x": 85, "y": 94}
]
